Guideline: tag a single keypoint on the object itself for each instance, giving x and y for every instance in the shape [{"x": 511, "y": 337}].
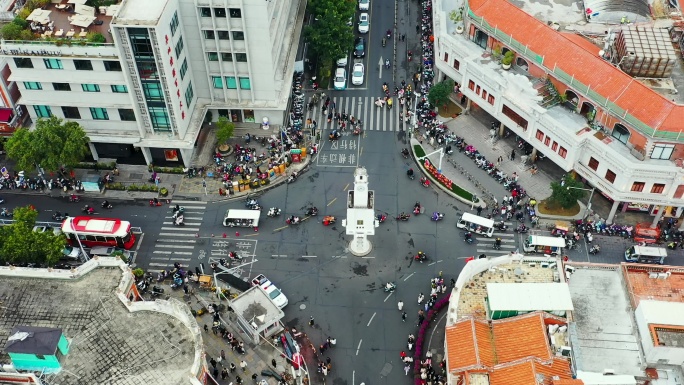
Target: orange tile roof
[
  {"x": 559, "y": 51},
  {"x": 520, "y": 337},
  {"x": 470, "y": 345},
  {"x": 641, "y": 286},
  {"x": 565, "y": 381},
  {"x": 527, "y": 372},
  {"x": 582, "y": 42}
]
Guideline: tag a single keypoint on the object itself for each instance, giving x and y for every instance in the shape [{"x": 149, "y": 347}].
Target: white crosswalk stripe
[
  {"x": 360, "y": 107},
  {"x": 486, "y": 245},
  {"x": 178, "y": 243}
]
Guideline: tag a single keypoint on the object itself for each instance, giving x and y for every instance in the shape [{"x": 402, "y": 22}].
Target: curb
[{"x": 261, "y": 190}]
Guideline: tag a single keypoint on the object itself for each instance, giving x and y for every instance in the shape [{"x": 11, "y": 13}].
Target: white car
[
  {"x": 364, "y": 5},
  {"x": 357, "y": 74},
  {"x": 277, "y": 296},
  {"x": 364, "y": 23},
  {"x": 342, "y": 62},
  {"x": 340, "y": 81}
]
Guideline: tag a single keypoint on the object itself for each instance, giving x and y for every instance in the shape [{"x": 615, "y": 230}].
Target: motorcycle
[
  {"x": 405, "y": 153},
  {"x": 468, "y": 237},
  {"x": 437, "y": 216},
  {"x": 177, "y": 281},
  {"x": 74, "y": 198},
  {"x": 329, "y": 220},
  {"x": 251, "y": 202},
  {"x": 6, "y": 213},
  {"x": 177, "y": 211},
  {"x": 387, "y": 65},
  {"x": 156, "y": 291},
  {"x": 596, "y": 248},
  {"x": 88, "y": 210},
  {"x": 501, "y": 226},
  {"x": 254, "y": 207},
  {"x": 292, "y": 177},
  {"x": 234, "y": 255},
  {"x": 381, "y": 218},
  {"x": 106, "y": 205},
  {"x": 384, "y": 42},
  {"x": 155, "y": 202},
  {"x": 179, "y": 221},
  {"x": 410, "y": 174},
  {"x": 311, "y": 211},
  {"x": 273, "y": 212},
  {"x": 57, "y": 216},
  {"x": 425, "y": 181},
  {"x": 522, "y": 229},
  {"x": 357, "y": 131},
  {"x": 293, "y": 220},
  {"x": 417, "y": 208},
  {"x": 389, "y": 34},
  {"x": 497, "y": 244},
  {"x": 390, "y": 287},
  {"x": 403, "y": 217},
  {"x": 421, "y": 257}
]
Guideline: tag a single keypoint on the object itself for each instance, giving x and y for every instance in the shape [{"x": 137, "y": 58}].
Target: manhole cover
[
  {"x": 302, "y": 306},
  {"x": 136, "y": 176}
]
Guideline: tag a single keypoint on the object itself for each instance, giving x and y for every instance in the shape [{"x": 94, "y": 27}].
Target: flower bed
[
  {"x": 441, "y": 178},
  {"x": 166, "y": 170},
  {"x": 420, "y": 340},
  {"x": 97, "y": 166}
]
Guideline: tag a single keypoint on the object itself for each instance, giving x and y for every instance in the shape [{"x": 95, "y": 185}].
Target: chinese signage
[{"x": 343, "y": 152}]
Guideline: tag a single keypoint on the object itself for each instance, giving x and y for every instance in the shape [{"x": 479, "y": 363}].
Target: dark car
[{"x": 360, "y": 47}]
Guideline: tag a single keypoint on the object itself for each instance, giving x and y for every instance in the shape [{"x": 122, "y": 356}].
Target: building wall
[
  {"x": 656, "y": 355},
  {"x": 31, "y": 362}
]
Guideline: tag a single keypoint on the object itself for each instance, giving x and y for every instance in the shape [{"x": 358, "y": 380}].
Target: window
[
  {"x": 216, "y": 80},
  {"x": 225, "y": 56},
  {"x": 231, "y": 83},
  {"x": 209, "y": 34},
  {"x": 205, "y": 12},
  {"x": 490, "y": 99},
  {"x": 610, "y": 176},
  {"x": 223, "y": 35},
  {"x": 563, "y": 152},
  {"x": 99, "y": 113},
  {"x": 657, "y": 188},
  {"x": 539, "y": 135},
  {"x": 238, "y": 35},
  {"x": 620, "y": 133},
  {"x": 127, "y": 114},
  {"x": 512, "y": 115},
  {"x": 152, "y": 91},
  {"x": 554, "y": 146},
  {"x": 477, "y": 90},
  {"x": 160, "y": 119},
  {"x": 638, "y": 186},
  {"x": 235, "y": 13},
  {"x": 471, "y": 85},
  {"x": 23, "y": 62},
  {"x": 547, "y": 140},
  {"x": 33, "y": 86},
  {"x": 184, "y": 68},
  {"x": 220, "y": 12},
  {"x": 174, "y": 23},
  {"x": 245, "y": 84},
  {"x": 593, "y": 164},
  {"x": 189, "y": 93},
  {"x": 212, "y": 56},
  {"x": 61, "y": 86},
  {"x": 119, "y": 89},
  {"x": 71, "y": 113},
  {"x": 112, "y": 65},
  {"x": 53, "y": 64},
  {"x": 90, "y": 87},
  {"x": 83, "y": 65},
  {"x": 42, "y": 111},
  {"x": 484, "y": 94},
  {"x": 457, "y": 64},
  {"x": 179, "y": 47},
  {"x": 241, "y": 57},
  {"x": 662, "y": 151},
  {"x": 446, "y": 57}
]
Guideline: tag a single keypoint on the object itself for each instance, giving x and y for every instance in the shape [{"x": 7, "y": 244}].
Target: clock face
[{"x": 361, "y": 188}]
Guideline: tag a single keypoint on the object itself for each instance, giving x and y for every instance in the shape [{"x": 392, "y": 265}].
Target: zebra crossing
[
  {"x": 178, "y": 243},
  {"x": 374, "y": 118},
  {"x": 508, "y": 242}
]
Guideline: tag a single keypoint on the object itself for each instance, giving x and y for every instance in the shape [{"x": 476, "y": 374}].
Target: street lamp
[
  {"x": 416, "y": 95},
  {"x": 586, "y": 212}
]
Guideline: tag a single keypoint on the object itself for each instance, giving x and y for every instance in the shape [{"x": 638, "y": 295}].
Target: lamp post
[
  {"x": 441, "y": 156},
  {"x": 586, "y": 212},
  {"x": 416, "y": 95}
]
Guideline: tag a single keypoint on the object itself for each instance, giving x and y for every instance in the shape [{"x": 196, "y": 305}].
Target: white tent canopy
[
  {"x": 113, "y": 9},
  {"x": 77, "y": 2},
  {"x": 41, "y": 16},
  {"x": 85, "y": 10},
  {"x": 82, "y": 21}
]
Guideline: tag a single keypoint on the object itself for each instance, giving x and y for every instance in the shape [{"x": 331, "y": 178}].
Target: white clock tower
[{"x": 360, "y": 222}]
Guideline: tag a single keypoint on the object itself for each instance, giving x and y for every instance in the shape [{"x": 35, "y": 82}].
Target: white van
[
  {"x": 646, "y": 254},
  {"x": 242, "y": 218},
  {"x": 546, "y": 245},
  {"x": 476, "y": 224}
]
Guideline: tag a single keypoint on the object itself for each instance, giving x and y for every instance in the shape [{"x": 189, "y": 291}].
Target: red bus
[{"x": 98, "y": 232}]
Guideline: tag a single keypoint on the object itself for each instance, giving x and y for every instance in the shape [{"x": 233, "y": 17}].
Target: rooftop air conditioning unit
[{"x": 608, "y": 372}]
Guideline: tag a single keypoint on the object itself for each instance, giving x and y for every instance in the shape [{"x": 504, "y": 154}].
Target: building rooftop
[
  {"x": 602, "y": 335},
  {"x": 60, "y": 20},
  {"x": 138, "y": 12},
  {"x": 33, "y": 340},
  {"x": 529, "y": 296},
  {"x": 108, "y": 344},
  {"x": 658, "y": 283},
  {"x": 254, "y": 305}
]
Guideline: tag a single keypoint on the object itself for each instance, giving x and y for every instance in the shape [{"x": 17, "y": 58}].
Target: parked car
[
  {"x": 357, "y": 74},
  {"x": 360, "y": 47},
  {"x": 364, "y": 5},
  {"x": 72, "y": 253},
  {"x": 104, "y": 251},
  {"x": 342, "y": 62},
  {"x": 42, "y": 229},
  {"x": 364, "y": 23},
  {"x": 340, "y": 81},
  {"x": 278, "y": 298}
]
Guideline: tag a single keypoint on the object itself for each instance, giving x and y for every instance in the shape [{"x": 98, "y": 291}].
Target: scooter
[
  {"x": 425, "y": 181},
  {"x": 410, "y": 174},
  {"x": 390, "y": 287},
  {"x": 177, "y": 211},
  {"x": 497, "y": 244},
  {"x": 381, "y": 218},
  {"x": 421, "y": 257},
  {"x": 595, "y": 249},
  {"x": 292, "y": 177},
  {"x": 74, "y": 198},
  {"x": 177, "y": 281},
  {"x": 234, "y": 255},
  {"x": 522, "y": 229},
  {"x": 251, "y": 202},
  {"x": 273, "y": 212},
  {"x": 437, "y": 216},
  {"x": 155, "y": 202},
  {"x": 106, "y": 205},
  {"x": 403, "y": 217},
  {"x": 417, "y": 208},
  {"x": 329, "y": 220},
  {"x": 501, "y": 226},
  {"x": 405, "y": 153},
  {"x": 88, "y": 210},
  {"x": 469, "y": 237},
  {"x": 156, "y": 291},
  {"x": 293, "y": 220},
  {"x": 57, "y": 216},
  {"x": 179, "y": 221},
  {"x": 312, "y": 211}
]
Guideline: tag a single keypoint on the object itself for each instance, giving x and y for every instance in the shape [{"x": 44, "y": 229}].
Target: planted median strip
[{"x": 437, "y": 177}]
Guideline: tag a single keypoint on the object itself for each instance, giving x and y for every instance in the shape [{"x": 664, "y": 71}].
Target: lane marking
[
  {"x": 280, "y": 228},
  {"x": 367, "y": 257},
  {"x": 199, "y": 203},
  {"x": 388, "y": 295},
  {"x": 182, "y": 228},
  {"x": 186, "y": 223},
  {"x": 410, "y": 275},
  {"x": 345, "y": 187},
  {"x": 371, "y": 319},
  {"x": 181, "y": 235},
  {"x": 172, "y": 252},
  {"x": 279, "y": 255},
  {"x": 173, "y": 246},
  {"x": 176, "y": 241},
  {"x": 434, "y": 262},
  {"x": 358, "y": 347},
  {"x": 331, "y": 202},
  {"x": 309, "y": 256}
]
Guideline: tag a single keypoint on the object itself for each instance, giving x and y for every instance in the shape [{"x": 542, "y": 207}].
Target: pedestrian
[
  {"x": 403, "y": 316},
  {"x": 417, "y": 28},
  {"x": 512, "y": 154},
  {"x": 311, "y": 321},
  {"x": 421, "y": 297},
  {"x": 243, "y": 365},
  {"x": 218, "y": 360},
  {"x": 232, "y": 367},
  {"x": 274, "y": 363},
  {"x": 206, "y": 328},
  {"x": 216, "y": 373},
  {"x": 223, "y": 355},
  {"x": 407, "y": 367},
  {"x": 327, "y": 360},
  {"x": 499, "y": 160},
  {"x": 212, "y": 361},
  {"x": 254, "y": 377},
  {"x": 403, "y": 36},
  {"x": 224, "y": 374},
  {"x": 479, "y": 210},
  {"x": 444, "y": 289},
  {"x": 185, "y": 289},
  {"x": 421, "y": 318},
  {"x": 402, "y": 354},
  {"x": 400, "y": 305},
  {"x": 238, "y": 380}
]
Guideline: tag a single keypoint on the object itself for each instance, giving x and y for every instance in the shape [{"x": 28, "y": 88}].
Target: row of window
[
  {"x": 67, "y": 87},
  {"x": 457, "y": 64},
  {"x": 554, "y": 147},
  {"x": 224, "y": 35},
  {"x": 610, "y": 176},
  {"x": 231, "y": 82},
  {"x": 174, "y": 23},
  {"x": 56, "y": 64},
  {"x": 189, "y": 93},
  {"x": 96, "y": 113},
  {"x": 226, "y": 56},
  {"x": 234, "y": 13},
  {"x": 179, "y": 47},
  {"x": 481, "y": 91}
]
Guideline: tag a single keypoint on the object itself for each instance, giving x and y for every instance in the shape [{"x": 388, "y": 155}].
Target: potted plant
[
  {"x": 163, "y": 191},
  {"x": 507, "y": 60},
  {"x": 224, "y": 131}
]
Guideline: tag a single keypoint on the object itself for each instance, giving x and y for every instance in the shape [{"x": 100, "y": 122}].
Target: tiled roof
[
  {"x": 567, "y": 381},
  {"x": 470, "y": 345},
  {"x": 582, "y": 42},
  {"x": 520, "y": 337},
  {"x": 559, "y": 51},
  {"x": 531, "y": 372}
]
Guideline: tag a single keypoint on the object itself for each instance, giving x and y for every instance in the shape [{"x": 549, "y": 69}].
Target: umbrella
[
  {"x": 82, "y": 21},
  {"x": 41, "y": 16},
  {"x": 113, "y": 9},
  {"x": 85, "y": 10}
]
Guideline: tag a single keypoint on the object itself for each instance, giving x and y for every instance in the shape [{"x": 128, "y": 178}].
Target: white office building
[{"x": 166, "y": 69}]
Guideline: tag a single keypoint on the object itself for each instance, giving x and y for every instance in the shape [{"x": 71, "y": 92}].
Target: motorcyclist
[
  {"x": 421, "y": 256},
  {"x": 468, "y": 235},
  {"x": 403, "y": 215},
  {"x": 387, "y": 63},
  {"x": 389, "y": 33},
  {"x": 497, "y": 242},
  {"x": 292, "y": 219},
  {"x": 105, "y": 203},
  {"x": 405, "y": 152},
  {"x": 425, "y": 181},
  {"x": 416, "y": 206},
  {"x": 389, "y": 286},
  {"x": 179, "y": 220},
  {"x": 409, "y": 172}
]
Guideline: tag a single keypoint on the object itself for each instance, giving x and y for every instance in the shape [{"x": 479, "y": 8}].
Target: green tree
[
  {"x": 439, "y": 93},
  {"x": 224, "y": 130},
  {"x": 19, "y": 243},
  {"x": 53, "y": 144},
  {"x": 11, "y": 31},
  {"x": 563, "y": 195},
  {"x": 329, "y": 37}
]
